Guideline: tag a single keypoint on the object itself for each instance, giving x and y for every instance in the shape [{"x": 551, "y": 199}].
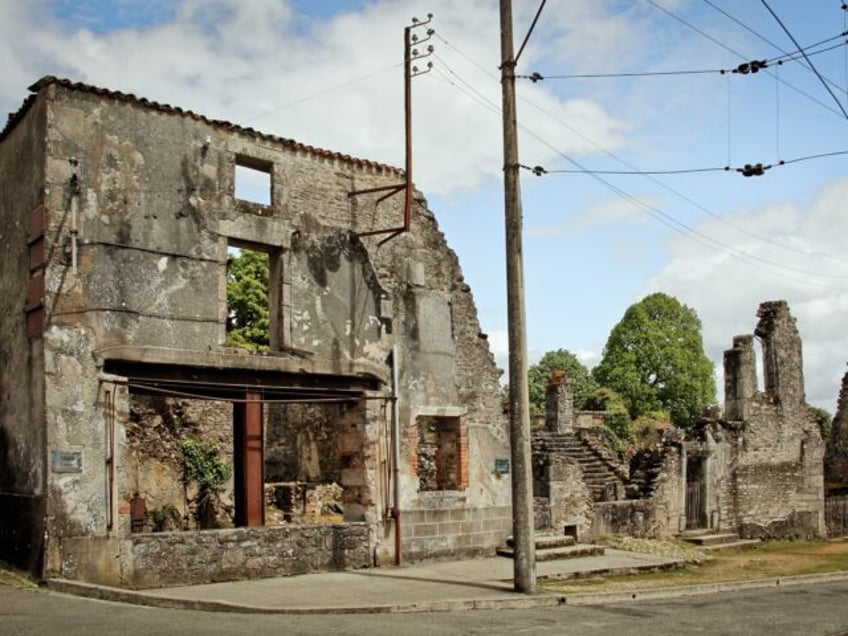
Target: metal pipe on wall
[{"x": 396, "y": 454}]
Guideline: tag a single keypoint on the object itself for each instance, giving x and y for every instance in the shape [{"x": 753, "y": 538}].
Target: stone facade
[{"x": 118, "y": 218}]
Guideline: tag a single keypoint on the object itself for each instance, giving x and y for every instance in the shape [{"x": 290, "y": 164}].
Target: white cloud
[
  {"x": 811, "y": 273},
  {"x": 243, "y": 61}
]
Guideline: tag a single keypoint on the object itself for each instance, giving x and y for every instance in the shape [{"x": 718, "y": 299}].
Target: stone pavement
[{"x": 443, "y": 586}]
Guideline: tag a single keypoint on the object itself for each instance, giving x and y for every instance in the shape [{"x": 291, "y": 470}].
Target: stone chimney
[{"x": 559, "y": 405}]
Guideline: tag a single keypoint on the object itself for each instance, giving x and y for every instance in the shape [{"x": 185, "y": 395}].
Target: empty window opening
[
  {"x": 253, "y": 180},
  {"x": 442, "y": 454},
  {"x": 248, "y": 299}
]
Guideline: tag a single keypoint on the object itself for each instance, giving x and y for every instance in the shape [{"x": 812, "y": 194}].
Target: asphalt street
[{"x": 808, "y": 610}]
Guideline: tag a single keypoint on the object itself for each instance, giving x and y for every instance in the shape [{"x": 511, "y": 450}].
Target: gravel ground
[{"x": 675, "y": 549}]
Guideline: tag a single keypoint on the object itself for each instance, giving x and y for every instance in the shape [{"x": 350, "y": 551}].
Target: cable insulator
[
  {"x": 538, "y": 170},
  {"x": 535, "y": 77},
  {"x": 753, "y": 170},
  {"x": 754, "y": 66}
]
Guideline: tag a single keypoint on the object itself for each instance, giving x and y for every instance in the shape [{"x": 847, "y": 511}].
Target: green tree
[
  {"x": 563, "y": 360},
  {"x": 616, "y": 415},
  {"x": 823, "y": 418},
  {"x": 655, "y": 359},
  {"x": 248, "y": 321}
]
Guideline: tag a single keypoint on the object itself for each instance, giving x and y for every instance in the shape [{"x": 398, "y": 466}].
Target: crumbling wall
[
  {"x": 144, "y": 196},
  {"x": 23, "y": 249},
  {"x": 152, "y": 458},
  {"x": 767, "y": 479}
]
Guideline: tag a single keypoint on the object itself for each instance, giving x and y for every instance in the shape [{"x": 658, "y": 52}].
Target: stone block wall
[
  {"x": 446, "y": 533},
  {"x": 186, "y": 558}
]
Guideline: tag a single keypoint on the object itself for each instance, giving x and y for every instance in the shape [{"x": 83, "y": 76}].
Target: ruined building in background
[
  {"x": 756, "y": 470},
  {"x": 118, "y": 216},
  {"x": 836, "y": 455}
]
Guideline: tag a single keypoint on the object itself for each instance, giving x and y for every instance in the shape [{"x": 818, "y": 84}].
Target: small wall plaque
[
  {"x": 501, "y": 466},
  {"x": 66, "y": 461}
]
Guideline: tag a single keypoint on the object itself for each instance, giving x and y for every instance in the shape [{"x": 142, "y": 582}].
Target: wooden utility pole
[{"x": 524, "y": 553}]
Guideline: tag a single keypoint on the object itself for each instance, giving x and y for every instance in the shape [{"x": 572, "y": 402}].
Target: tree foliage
[
  {"x": 824, "y": 420},
  {"x": 616, "y": 416},
  {"x": 563, "y": 360},
  {"x": 248, "y": 319},
  {"x": 655, "y": 359}
]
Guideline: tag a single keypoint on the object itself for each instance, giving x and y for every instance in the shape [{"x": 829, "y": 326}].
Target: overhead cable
[
  {"x": 747, "y": 170},
  {"x": 806, "y": 57},
  {"x": 490, "y": 105},
  {"x": 671, "y": 14}
]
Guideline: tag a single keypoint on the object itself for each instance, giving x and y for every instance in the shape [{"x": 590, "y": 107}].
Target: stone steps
[
  {"x": 550, "y": 547},
  {"x": 597, "y": 473},
  {"x": 719, "y": 540}
]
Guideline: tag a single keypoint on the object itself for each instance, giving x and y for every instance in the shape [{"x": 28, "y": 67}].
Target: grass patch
[{"x": 771, "y": 559}]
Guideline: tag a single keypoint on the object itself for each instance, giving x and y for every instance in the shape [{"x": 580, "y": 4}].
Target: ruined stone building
[
  {"x": 836, "y": 454},
  {"x": 836, "y": 468},
  {"x": 118, "y": 216},
  {"x": 755, "y": 470}
]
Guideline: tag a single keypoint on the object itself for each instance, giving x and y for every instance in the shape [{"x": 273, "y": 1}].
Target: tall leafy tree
[
  {"x": 654, "y": 358},
  {"x": 248, "y": 318},
  {"x": 563, "y": 360}
]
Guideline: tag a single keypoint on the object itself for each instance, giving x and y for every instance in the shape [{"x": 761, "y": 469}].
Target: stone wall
[
  {"x": 452, "y": 530},
  {"x": 186, "y": 558},
  {"x": 23, "y": 441},
  {"x": 764, "y": 475},
  {"x": 144, "y": 194}
]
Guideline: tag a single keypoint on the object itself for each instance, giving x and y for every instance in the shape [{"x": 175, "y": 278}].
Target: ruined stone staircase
[
  {"x": 601, "y": 472},
  {"x": 551, "y": 547}
]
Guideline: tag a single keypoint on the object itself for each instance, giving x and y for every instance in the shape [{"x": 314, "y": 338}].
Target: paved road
[{"x": 814, "y": 610}]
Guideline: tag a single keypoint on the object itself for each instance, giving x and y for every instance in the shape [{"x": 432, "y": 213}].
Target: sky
[{"x": 329, "y": 73}]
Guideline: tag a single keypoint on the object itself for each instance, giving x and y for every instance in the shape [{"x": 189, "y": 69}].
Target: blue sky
[{"x": 328, "y": 73}]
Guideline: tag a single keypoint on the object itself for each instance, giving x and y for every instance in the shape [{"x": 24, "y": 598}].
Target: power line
[
  {"x": 788, "y": 56},
  {"x": 812, "y": 66},
  {"x": 493, "y": 107},
  {"x": 674, "y": 16},
  {"x": 748, "y": 170},
  {"x": 323, "y": 92},
  {"x": 529, "y": 32},
  {"x": 745, "y": 68}
]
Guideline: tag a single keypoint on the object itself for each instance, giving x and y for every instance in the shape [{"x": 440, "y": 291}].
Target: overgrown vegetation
[{"x": 203, "y": 466}]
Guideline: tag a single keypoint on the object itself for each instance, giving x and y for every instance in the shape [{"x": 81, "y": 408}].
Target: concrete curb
[{"x": 601, "y": 598}]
